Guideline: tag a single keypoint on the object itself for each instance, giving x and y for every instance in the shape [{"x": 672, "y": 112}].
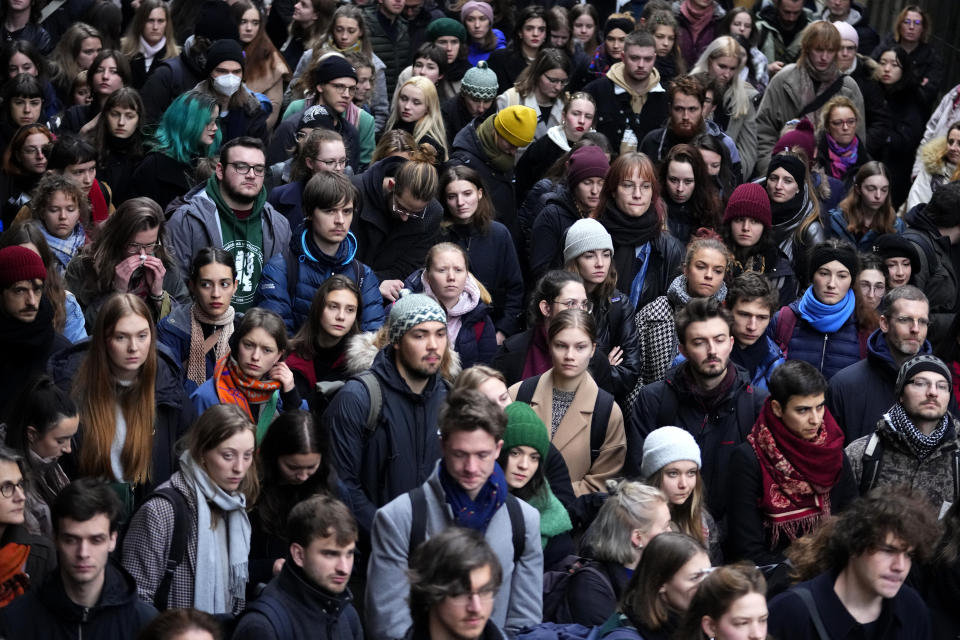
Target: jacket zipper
[
  {"x": 823, "y": 355},
  {"x": 83, "y": 620}
]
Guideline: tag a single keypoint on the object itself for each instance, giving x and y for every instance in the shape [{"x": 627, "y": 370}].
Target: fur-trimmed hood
[
  {"x": 933, "y": 155},
  {"x": 362, "y": 348}
]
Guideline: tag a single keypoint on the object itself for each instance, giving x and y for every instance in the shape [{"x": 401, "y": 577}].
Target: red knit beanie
[
  {"x": 749, "y": 200},
  {"x": 586, "y": 162},
  {"x": 801, "y": 137},
  {"x": 19, "y": 263}
]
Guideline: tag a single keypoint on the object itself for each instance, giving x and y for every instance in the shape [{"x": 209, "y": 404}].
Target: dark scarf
[
  {"x": 32, "y": 338},
  {"x": 922, "y": 444},
  {"x": 796, "y": 475},
  {"x": 707, "y": 399},
  {"x": 788, "y": 215},
  {"x": 538, "y": 358},
  {"x": 842, "y": 158},
  {"x": 629, "y": 230},
  {"x": 751, "y": 357},
  {"x": 474, "y": 513}
]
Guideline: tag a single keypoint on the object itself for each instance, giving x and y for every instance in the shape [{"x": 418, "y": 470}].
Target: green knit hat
[{"x": 525, "y": 428}]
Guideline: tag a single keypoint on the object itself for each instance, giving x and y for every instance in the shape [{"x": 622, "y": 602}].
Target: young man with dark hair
[
  {"x": 752, "y": 301},
  {"x": 309, "y": 598},
  {"x": 791, "y": 473},
  {"x": 241, "y": 113},
  {"x": 91, "y": 598},
  {"x": 780, "y": 24},
  {"x": 630, "y": 97},
  {"x": 860, "y": 393},
  {"x": 933, "y": 230},
  {"x": 916, "y": 440},
  {"x": 858, "y": 565},
  {"x": 454, "y": 578},
  {"x": 467, "y": 489},
  {"x": 230, "y": 211},
  {"x": 389, "y": 37},
  {"x": 707, "y": 395}
]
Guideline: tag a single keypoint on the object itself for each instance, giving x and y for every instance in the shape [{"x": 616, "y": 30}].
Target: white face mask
[{"x": 226, "y": 85}]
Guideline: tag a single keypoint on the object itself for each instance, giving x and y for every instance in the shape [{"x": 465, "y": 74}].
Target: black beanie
[
  {"x": 792, "y": 164},
  {"x": 332, "y": 68},
  {"x": 221, "y": 51},
  {"x": 842, "y": 252},
  {"x": 215, "y": 22}
]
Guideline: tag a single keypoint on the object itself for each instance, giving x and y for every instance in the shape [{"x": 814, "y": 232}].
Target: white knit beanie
[
  {"x": 666, "y": 445},
  {"x": 585, "y": 235}
]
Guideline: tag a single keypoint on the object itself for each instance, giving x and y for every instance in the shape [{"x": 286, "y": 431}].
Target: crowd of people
[{"x": 477, "y": 319}]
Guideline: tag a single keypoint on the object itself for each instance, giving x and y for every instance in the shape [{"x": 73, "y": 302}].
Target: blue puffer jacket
[
  {"x": 313, "y": 269},
  {"x": 836, "y": 225},
  {"x": 477, "y": 339},
  {"x": 827, "y": 352}
]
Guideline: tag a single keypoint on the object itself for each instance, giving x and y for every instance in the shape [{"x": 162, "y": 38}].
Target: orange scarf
[
  {"x": 13, "y": 580},
  {"x": 234, "y": 387}
]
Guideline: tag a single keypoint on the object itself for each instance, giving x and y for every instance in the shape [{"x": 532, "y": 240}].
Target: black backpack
[
  {"x": 598, "y": 421},
  {"x": 558, "y": 587}
]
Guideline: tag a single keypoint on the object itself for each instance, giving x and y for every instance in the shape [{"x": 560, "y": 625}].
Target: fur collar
[
  {"x": 932, "y": 154},
  {"x": 362, "y": 348}
]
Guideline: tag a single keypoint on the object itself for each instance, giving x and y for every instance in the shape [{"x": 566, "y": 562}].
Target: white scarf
[
  {"x": 150, "y": 52},
  {"x": 209, "y": 594},
  {"x": 468, "y": 301}
]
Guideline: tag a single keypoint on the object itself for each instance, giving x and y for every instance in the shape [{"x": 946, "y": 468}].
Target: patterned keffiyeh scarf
[{"x": 922, "y": 444}]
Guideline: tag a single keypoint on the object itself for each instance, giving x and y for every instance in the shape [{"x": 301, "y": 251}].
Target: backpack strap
[
  {"x": 786, "y": 323},
  {"x": 372, "y": 385},
  {"x": 178, "y": 543},
  {"x": 811, "y": 605},
  {"x": 527, "y": 387},
  {"x": 599, "y": 422},
  {"x": 275, "y": 613},
  {"x": 821, "y": 99},
  {"x": 418, "y": 520},
  {"x": 518, "y": 526},
  {"x": 872, "y": 457}
]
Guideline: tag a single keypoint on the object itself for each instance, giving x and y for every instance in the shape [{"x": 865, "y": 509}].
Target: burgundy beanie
[
  {"x": 19, "y": 263},
  {"x": 749, "y": 200},
  {"x": 586, "y": 162},
  {"x": 801, "y": 137}
]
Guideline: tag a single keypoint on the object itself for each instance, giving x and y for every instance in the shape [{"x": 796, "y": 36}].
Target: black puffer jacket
[
  {"x": 392, "y": 248},
  {"x": 167, "y": 80},
  {"x": 174, "y": 415},
  {"x": 393, "y": 49},
  {"x": 49, "y": 614},
  {"x": 616, "y": 328},
  {"x": 557, "y": 213}
]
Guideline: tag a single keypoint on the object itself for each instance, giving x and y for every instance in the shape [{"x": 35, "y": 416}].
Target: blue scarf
[
  {"x": 825, "y": 318},
  {"x": 64, "y": 249},
  {"x": 477, "y": 513}
]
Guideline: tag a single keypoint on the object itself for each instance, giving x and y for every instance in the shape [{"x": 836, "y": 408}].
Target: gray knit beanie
[
  {"x": 585, "y": 235},
  {"x": 915, "y": 365},
  {"x": 480, "y": 82},
  {"x": 666, "y": 445},
  {"x": 412, "y": 309}
]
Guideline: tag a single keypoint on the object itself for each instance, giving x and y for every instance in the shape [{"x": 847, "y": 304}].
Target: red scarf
[
  {"x": 234, "y": 387},
  {"x": 538, "y": 354},
  {"x": 98, "y": 204},
  {"x": 13, "y": 581},
  {"x": 796, "y": 475},
  {"x": 699, "y": 19}
]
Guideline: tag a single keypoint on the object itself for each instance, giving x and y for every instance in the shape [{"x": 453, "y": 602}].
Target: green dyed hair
[{"x": 180, "y": 129}]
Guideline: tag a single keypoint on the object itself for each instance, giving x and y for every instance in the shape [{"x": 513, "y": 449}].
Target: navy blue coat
[
  {"x": 313, "y": 269},
  {"x": 829, "y": 353},
  {"x": 494, "y": 262},
  {"x": 287, "y": 199},
  {"x": 403, "y": 450},
  {"x": 476, "y": 341}
]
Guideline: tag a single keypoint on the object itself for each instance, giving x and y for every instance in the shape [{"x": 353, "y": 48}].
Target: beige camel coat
[{"x": 573, "y": 435}]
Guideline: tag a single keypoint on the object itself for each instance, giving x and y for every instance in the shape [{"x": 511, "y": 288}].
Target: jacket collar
[
  {"x": 293, "y": 582},
  {"x": 118, "y": 591}
]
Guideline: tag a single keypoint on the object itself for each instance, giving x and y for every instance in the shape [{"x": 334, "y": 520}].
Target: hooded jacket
[
  {"x": 400, "y": 453},
  {"x": 313, "y": 268},
  {"x": 933, "y": 173},
  {"x": 173, "y": 417},
  {"x": 558, "y": 212},
  {"x": 937, "y": 274},
  {"x": 49, "y": 614},
  {"x": 195, "y": 224},
  {"x": 717, "y": 434},
  {"x": 312, "y": 611},
  {"x": 861, "y": 393},
  {"x": 392, "y": 248},
  {"x": 518, "y": 601},
  {"x": 899, "y": 466}
]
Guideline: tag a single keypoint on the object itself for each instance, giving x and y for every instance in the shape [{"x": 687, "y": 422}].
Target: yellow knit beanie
[{"x": 516, "y": 125}]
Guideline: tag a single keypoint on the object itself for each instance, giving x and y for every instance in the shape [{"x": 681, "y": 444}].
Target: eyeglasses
[
  {"x": 924, "y": 385},
  {"x": 400, "y": 211},
  {"x": 243, "y": 168},
  {"x": 343, "y": 88},
  {"x": 583, "y": 305},
  {"x": 848, "y": 123},
  {"x": 485, "y": 596},
  {"x": 7, "y": 488},
  {"x": 133, "y": 248},
  {"x": 879, "y": 287},
  {"x": 339, "y": 163},
  {"x": 555, "y": 81}
]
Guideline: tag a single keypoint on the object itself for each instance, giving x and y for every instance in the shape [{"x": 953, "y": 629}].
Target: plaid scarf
[
  {"x": 219, "y": 341},
  {"x": 65, "y": 248},
  {"x": 922, "y": 444},
  {"x": 796, "y": 475},
  {"x": 235, "y": 387}
]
